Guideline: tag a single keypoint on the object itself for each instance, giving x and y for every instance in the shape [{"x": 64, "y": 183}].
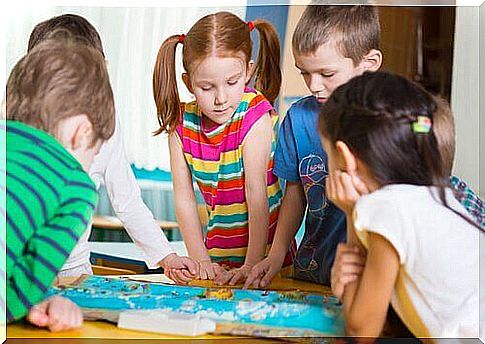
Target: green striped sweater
[{"x": 50, "y": 200}]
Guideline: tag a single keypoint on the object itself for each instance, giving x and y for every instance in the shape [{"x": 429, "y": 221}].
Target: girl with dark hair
[{"x": 420, "y": 245}]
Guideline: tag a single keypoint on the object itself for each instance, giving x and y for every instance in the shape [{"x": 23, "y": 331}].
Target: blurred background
[{"x": 436, "y": 46}]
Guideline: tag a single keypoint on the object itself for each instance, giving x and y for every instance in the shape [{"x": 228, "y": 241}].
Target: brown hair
[
  {"x": 225, "y": 35},
  {"x": 76, "y": 25},
  {"x": 356, "y": 30},
  {"x": 60, "y": 78},
  {"x": 444, "y": 129}
]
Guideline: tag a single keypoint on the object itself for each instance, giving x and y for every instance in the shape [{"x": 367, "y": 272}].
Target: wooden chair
[{"x": 105, "y": 270}]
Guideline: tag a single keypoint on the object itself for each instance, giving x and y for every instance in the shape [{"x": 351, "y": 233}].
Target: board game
[{"x": 238, "y": 311}]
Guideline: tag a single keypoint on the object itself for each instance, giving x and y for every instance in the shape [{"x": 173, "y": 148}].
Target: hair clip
[
  {"x": 181, "y": 38},
  {"x": 251, "y": 26},
  {"x": 422, "y": 125}
]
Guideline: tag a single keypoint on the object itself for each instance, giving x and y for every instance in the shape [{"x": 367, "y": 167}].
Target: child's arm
[
  {"x": 57, "y": 314},
  {"x": 365, "y": 302},
  {"x": 186, "y": 210},
  {"x": 125, "y": 197},
  {"x": 256, "y": 155},
  {"x": 31, "y": 273},
  {"x": 289, "y": 220}
]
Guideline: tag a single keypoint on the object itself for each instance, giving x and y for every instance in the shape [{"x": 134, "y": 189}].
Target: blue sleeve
[{"x": 286, "y": 155}]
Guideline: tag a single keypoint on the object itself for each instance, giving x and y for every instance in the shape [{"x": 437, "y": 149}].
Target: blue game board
[{"x": 293, "y": 312}]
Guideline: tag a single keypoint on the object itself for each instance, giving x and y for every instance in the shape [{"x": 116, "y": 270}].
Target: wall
[{"x": 465, "y": 96}]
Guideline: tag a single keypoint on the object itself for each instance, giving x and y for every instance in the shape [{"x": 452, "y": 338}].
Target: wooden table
[
  {"x": 113, "y": 223},
  {"x": 104, "y": 330},
  {"x": 126, "y": 255}
]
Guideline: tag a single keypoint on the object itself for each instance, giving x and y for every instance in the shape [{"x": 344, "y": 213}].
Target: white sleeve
[
  {"x": 381, "y": 216},
  {"x": 124, "y": 194}
]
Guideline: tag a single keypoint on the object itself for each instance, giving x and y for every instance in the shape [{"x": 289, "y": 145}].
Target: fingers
[
  {"x": 191, "y": 265},
  {"x": 223, "y": 277},
  {"x": 210, "y": 272},
  {"x": 181, "y": 276},
  {"x": 239, "y": 276},
  {"x": 348, "y": 266},
  {"x": 203, "y": 273},
  {"x": 38, "y": 315},
  {"x": 360, "y": 186},
  {"x": 267, "y": 277},
  {"x": 63, "y": 314},
  {"x": 257, "y": 283},
  {"x": 253, "y": 275},
  {"x": 344, "y": 189}
]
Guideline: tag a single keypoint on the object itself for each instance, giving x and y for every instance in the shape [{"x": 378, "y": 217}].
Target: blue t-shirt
[{"x": 299, "y": 157}]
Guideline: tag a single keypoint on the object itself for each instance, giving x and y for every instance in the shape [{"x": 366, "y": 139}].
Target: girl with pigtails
[{"x": 224, "y": 140}]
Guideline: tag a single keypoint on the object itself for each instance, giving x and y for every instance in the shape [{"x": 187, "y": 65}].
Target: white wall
[{"x": 465, "y": 96}]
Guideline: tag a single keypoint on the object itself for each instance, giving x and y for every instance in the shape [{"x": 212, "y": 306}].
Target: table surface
[
  {"x": 128, "y": 250},
  {"x": 98, "y": 329}
]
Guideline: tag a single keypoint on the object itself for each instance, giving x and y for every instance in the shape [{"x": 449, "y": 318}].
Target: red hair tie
[
  {"x": 181, "y": 38},
  {"x": 251, "y": 26}
]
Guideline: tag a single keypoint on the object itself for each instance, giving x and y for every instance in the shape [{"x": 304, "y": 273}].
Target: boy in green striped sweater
[{"x": 60, "y": 109}]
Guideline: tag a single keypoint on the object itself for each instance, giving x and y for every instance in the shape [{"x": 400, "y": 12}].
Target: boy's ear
[
  {"x": 250, "y": 70},
  {"x": 187, "y": 82},
  {"x": 82, "y": 133},
  {"x": 346, "y": 157},
  {"x": 372, "y": 61}
]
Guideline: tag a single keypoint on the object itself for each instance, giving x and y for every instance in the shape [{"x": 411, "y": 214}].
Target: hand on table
[
  {"x": 262, "y": 273},
  {"x": 181, "y": 270},
  {"x": 57, "y": 314},
  {"x": 209, "y": 270},
  {"x": 234, "y": 276}
]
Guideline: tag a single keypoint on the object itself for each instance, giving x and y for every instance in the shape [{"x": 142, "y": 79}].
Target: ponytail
[
  {"x": 165, "y": 92},
  {"x": 267, "y": 71}
]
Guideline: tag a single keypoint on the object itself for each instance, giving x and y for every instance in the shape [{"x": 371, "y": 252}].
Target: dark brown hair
[
  {"x": 373, "y": 114},
  {"x": 225, "y": 35},
  {"x": 76, "y": 25},
  {"x": 61, "y": 77},
  {"x": 356, "y": 30}
]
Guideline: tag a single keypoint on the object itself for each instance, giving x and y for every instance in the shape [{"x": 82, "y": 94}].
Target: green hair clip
[{"x": 422, "y": 125}]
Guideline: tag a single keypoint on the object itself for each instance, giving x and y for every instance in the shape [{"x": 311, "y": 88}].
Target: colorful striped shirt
[
  {"x": 50, "y": 200},
  {"x": 469, "y": 199},
  {"x": 215, "y": 159}
]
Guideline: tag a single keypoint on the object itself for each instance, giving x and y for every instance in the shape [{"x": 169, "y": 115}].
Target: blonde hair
[{"x": 225, "y": 35}]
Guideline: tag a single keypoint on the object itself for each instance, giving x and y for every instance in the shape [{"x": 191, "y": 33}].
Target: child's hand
[
  {"x": 263, "y": 272},
  {"x": 347, "y": 267},
  {"x": 234, "y": 276},
  {"x": 179, "y": 269},
  {"x": 57, "y": 314},
  {"x": 344, "y": 189},
  {"x": 209, "y": 270}
]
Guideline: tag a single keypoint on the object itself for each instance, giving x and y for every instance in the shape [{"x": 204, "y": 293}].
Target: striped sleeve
[{"x": 46, "y": 251}]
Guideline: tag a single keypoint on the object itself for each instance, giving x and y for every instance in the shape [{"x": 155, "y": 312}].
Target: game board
[{"x": 248, "y": 312}]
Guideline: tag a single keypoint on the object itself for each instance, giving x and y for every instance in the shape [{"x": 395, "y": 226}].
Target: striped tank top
[{"x": 215, "y": 159}]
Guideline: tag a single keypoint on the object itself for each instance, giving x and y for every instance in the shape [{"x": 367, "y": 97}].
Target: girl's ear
[
  {"x": 187, "y": 82},
  {"x": 347, "y": 158},
  {"x": 249, "y": 71}
]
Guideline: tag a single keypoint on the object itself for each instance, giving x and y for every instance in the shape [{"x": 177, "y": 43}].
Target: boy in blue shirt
[{"x": 331, "y": 44}]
